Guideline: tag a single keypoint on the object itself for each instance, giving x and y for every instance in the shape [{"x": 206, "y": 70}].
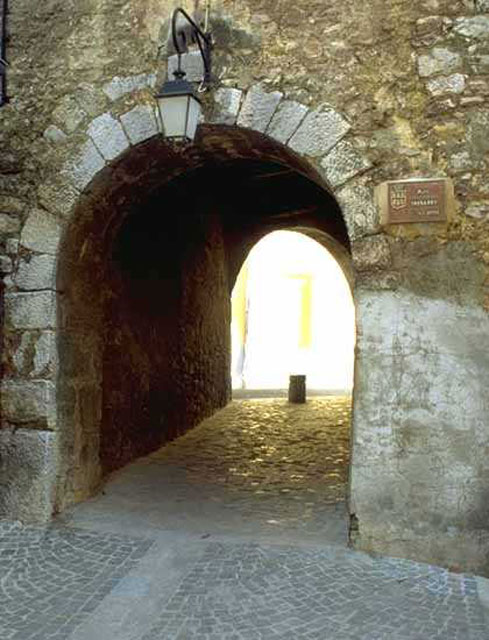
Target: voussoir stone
[
  {"x": 41, "y": 232},
  {"x": 140, "y": 123},
  {"x": 108, "y": 136},
  {"x": 439, "y": 61},
  {"x": 84, "y": 165},
  {"x": 30, "y": 310},
  {"x": 320, "y": 131},
  {"x": 227, "y": 102},
  {"x": 342, "y": 163},
  {"x": 286, "y": 120},
  {"x": 474, "y": 27},
  {"x": 258, "y": 108},
  {"x": 358, "y": 209},
  {"x": 58, "y": 196},
  {"x": 446, "y": 84},
  {"x": 36, "y": 272}
]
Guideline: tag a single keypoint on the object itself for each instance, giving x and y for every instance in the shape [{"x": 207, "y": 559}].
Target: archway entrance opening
[
  {"x": 146, "y": 273},
  {"x": 292, "y": 313}
]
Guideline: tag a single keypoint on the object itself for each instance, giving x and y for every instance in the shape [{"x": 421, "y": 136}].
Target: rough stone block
[
  {"x": 227, "y": 104},
  {"x": 37, "y": 272},
  {"x": 9, "y": 224},
  {"x": 58, "y": 197},
  {"x": 482, "y": 6},
  {"x": 474, "y": 27},
  {"x": 36, "y": 354},
  {"x": 192, "y": 64},
  {"x": 90, "y": 99},
  {"x": 86, "y": 163},
  {"x": 27, "y": 474},
  {"x": 29, "y": 402},
  {"x": 320, "y": 131},
  {"x": 41, "y": 232},
  {"x": 108, "y": 136},
  {"x": 30, "y": 310},
  {"x": 342, "y": 163},
  {"x": 439, "y": 61},
  {"x": 258, "y": 108},
  {"x": 119, "y": 87},
  {"x": 371, "y": 253},
  {"x": 446, "y": 84},
  {"x": 478, "y": 210},
  {"x": 286, "y": 120},
  {"x": 68, "y": 115},
  {"x": 54, "y": 134},
  {"x": 359, "y": 210},
  {"x": 140, "y": 123}
]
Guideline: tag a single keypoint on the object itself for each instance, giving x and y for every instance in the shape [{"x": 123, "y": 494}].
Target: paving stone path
[{"x": 235, "y": 531}]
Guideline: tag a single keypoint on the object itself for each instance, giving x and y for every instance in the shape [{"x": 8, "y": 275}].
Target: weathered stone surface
[
  {"x": 54, "y": 134},
  {"x": 474, "y": 27},
  {"x": 482, "y": 6},
  {"x": 68, "y": 115},
  {"x": 258, "y": 108},
  {"x": 11, "y": 205},
  {"x": 192, "y": 64},
  {"x": 30, "y": 403},
  {"x": 41, "y": 232},
  {"x": 479, "y": 64},
  {"x": 58, "y": 197},
  {"x": 140, "y": 123},
  {"x": 320, "y": 131},
  {"x": 439, "y": 61},
  {"x": 286, "y": 120},
  {"x": 30, "y": 310},
  {"x": 5, "y": 265},
  {"x": 9, "y": 224},
  {"x": 359, "y": 210},
  {"x": 121, "y": 86},
  {"x": 227, "y": 104},
  {"x": 446, "y": 84},
  {"x": 342, "y": 163},
  {"x": 87, "y": 162},
  {"x": 371, "y": 253},
  {"x": 478, "y": 210},
  {"x": 36, "y": 272},
  {"x": 36, "y": 354},
  {"x": 478, "y": 140},
  {"x": 108, "y": 136},
  {"x": 91, "y": 99},
  {"x": 27, "y": 473}
]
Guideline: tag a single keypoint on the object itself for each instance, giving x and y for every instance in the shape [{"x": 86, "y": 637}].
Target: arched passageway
[{"x": 145, "y": 275}]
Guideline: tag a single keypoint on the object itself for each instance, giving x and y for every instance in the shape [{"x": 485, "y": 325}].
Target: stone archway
[{"x": 106, "y": 168}]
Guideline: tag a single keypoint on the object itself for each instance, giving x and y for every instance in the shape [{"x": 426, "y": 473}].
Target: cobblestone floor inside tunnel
[
  {"x": 235, "y": 531},
  {"x": 289, "y": 459}
]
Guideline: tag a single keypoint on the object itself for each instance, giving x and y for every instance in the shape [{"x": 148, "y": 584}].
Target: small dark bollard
[{"x": 297, "y": 389}]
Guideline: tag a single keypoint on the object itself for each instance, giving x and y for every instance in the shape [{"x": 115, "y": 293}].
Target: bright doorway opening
[{"x": 292, "y": 313}]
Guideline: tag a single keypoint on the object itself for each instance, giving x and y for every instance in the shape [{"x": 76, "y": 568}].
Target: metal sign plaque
[{"x": 416, "y": 201}]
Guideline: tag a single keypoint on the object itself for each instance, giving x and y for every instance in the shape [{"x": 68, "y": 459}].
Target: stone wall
[{"x": 359, "y": 92}]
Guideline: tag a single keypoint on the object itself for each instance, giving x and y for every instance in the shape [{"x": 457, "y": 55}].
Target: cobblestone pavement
[
  {"x": 289, "y": 461},
  {"x": 254, "y": 593},
  {"x": 223, "y": 535},
  {"x": 51, "y": 578}
]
